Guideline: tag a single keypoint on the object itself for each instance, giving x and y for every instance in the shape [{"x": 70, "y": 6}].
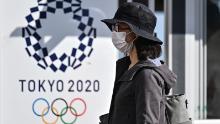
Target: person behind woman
[{"x": 138, "y": 89}]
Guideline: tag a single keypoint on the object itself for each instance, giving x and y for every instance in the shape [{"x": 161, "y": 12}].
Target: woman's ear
[{"x": 131, "y": 37}]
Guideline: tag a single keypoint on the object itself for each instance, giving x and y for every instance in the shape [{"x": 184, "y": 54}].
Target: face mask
[{"x": 118, "y": 39}]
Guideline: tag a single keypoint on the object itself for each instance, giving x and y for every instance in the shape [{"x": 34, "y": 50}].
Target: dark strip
[
  {"x": 41, "y": 66},
  {"x": 90, "y": 52},
  {"x": 45, "y": 62},
  {"x": 75, "y": 11},
  {"x": 33, "y": 28},
  {"x": 145, "y": 2},
  {"x": 23, "y": 32},
  {"x": 73, "y": 62},
  {"x": 28, "y": 51},
  {"x": 28, "y": 31},
  {"x": 77, "y": 66},
  {"x": 68, "y": 61},
  {"x": 94, "y": 29},
  {"x": 120, "y": 2},
  {"x": 178, "y": 17}
]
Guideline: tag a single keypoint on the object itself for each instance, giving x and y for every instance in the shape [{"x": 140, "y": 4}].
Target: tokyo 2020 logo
[
  {"x": 59, "y": 59},
  {"x": 59, "y": 108}
]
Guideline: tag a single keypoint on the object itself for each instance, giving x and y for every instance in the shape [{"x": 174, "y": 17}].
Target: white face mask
[{"x": 118, "y": 39}]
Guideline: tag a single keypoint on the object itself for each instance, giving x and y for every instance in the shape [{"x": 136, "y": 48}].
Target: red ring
[{"x": 83, "y": 103}]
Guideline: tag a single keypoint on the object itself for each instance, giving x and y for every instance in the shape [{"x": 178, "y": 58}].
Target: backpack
[
  {"x": 175, "y": 108},
  {"x": 175, "y": 111}
]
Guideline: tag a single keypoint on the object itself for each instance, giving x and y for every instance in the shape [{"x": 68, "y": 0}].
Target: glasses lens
[{"x": 115, "y": 27}]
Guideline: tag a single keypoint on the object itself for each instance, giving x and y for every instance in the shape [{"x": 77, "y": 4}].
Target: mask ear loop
[
  {"x": 132, "y": 46},
  {"x": 132, "y": 43}
]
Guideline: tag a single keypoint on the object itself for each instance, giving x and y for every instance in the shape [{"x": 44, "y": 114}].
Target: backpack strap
[
  {"x": 164, "y": 96},
  {"x": 159, "y": 73},
  {"x": 164, "y": 99}
]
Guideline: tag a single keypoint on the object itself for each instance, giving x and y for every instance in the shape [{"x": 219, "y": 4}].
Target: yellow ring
[{"x": 45, "y": 122}]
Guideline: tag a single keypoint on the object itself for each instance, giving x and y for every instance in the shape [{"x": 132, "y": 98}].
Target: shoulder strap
[
  {"x": 164, "y": 99},
  {"x": 158, "y": 72}
]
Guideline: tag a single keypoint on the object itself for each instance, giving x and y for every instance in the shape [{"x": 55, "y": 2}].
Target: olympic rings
[
  {"x": 65, "y": 107},
  {"x": 71, "y": 108},
  {"x": 33, "y": 109},
  {"x": 55, "y": 111},
  {"x": 82, "y": 102},
  {"x": 45, "y": 122}
]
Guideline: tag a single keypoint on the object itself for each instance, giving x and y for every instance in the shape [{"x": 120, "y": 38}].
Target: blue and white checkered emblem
[{"x": 62, "y": 58}]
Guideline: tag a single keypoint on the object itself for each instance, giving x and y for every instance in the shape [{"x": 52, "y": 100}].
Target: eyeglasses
[
  {"x": 120, "y": 26},
  {"x": 115, "y": 27}
]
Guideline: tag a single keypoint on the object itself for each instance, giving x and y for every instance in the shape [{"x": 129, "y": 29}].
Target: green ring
[{"x": 65, "y": 108}]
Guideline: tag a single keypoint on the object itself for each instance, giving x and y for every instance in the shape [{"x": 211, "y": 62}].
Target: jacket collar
[{"x": 168, "y": 76}]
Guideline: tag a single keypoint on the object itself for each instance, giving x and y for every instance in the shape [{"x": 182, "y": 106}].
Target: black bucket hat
[{"x": 139, "y": 17}]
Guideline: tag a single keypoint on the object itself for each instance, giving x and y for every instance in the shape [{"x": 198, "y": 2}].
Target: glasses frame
[{"x": 115, "y": 27}]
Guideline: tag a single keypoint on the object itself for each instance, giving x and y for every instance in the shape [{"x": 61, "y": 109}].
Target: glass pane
[
  {"x": 159, "y": 29},
  {"x": 213, "y": 59}
]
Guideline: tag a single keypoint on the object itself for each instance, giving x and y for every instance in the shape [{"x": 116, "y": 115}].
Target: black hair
[{"x": 147, "y": 49}]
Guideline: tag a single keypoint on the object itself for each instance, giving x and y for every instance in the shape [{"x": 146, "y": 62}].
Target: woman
[{"x": 139, "y": 84}]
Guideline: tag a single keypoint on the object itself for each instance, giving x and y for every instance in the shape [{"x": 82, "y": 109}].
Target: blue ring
[{"x": 37, "y": 101}]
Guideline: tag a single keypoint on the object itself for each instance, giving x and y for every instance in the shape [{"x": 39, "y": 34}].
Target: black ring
[{"x": 53, "y": 104}]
